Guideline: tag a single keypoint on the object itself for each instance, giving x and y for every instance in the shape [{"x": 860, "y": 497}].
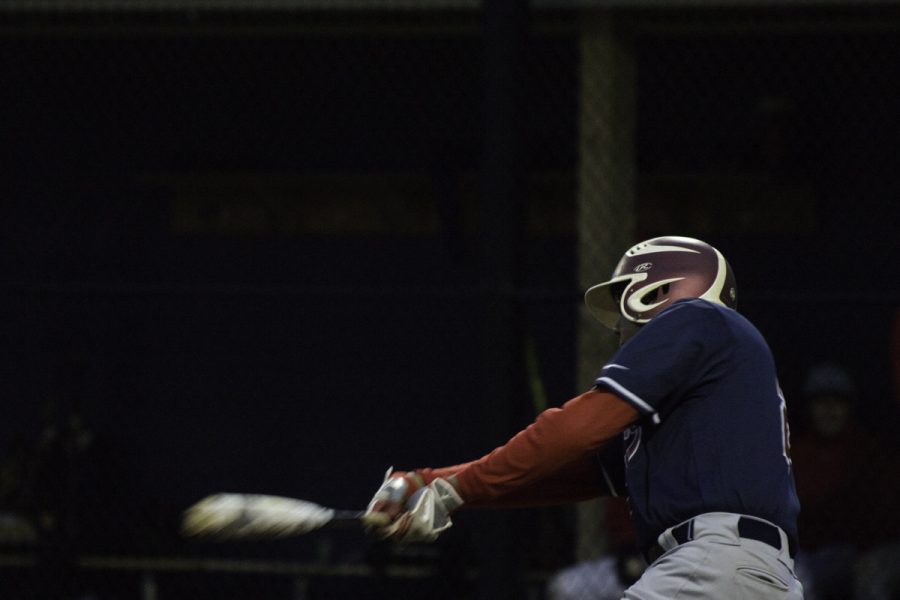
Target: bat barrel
[{"x": 256, "y": 516}]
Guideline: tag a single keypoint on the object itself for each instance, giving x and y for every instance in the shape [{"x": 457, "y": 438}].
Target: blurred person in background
[
  {"x": 841, "y": 483},
  {"x": 80, "y": 494},
  {"x": 606, "y": 577},
  {"x": 877, "y": 576}
]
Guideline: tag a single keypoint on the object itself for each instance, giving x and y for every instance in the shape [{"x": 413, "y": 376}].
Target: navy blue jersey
[{"x": 714, "y": 433}]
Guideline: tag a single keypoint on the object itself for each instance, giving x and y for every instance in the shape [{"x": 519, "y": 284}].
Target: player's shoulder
[
  {"x": 696, "y": 308},
  {"x": 710, "y": 320},
  {"x": 698, "y": 315}
]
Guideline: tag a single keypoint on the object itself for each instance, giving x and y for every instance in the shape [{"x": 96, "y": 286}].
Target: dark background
[{"x": 251, "y": 252}]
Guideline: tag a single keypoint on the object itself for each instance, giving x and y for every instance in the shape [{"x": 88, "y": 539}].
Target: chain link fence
[{"x": 212, "y": 213}]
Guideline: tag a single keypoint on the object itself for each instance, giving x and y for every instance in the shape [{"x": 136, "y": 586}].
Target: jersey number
[{"x": 785, "y": 428}]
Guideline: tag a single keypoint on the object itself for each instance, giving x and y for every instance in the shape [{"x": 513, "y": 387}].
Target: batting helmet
[{"x": 653, "y": 274}]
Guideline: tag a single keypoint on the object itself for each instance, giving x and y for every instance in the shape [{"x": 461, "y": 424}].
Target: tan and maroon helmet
[{"x": 655, "y": 273}]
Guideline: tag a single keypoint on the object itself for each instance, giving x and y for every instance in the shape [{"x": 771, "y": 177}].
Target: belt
[{"x": 751, "y": 529}]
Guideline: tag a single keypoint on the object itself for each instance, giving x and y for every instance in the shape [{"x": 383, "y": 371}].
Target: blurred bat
[{"x": 258, "y": 516}]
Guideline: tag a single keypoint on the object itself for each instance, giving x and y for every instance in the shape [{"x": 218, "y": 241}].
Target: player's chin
[{"x": 626, "y": 330}]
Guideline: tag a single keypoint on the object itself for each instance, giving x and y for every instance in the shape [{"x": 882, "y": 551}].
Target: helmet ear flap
[
  {"x": 645, "y": 302},
  {"x": 617, "y": 290},
  {"x": 654, "y": 293}
]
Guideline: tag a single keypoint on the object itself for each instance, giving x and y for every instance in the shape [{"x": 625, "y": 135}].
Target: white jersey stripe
[
  {"x": 631, "y": 397},
  {"x": 615, "y": 366}
]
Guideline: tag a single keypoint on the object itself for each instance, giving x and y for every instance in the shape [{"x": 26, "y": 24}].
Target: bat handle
[{"x": 375, "y": 519}]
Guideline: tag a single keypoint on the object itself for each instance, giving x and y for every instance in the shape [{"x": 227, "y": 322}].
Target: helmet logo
[
  {"x": 635, "y": 302},
  {"x": 636, "y": 305},
  {"x": 643, "y": 267}
]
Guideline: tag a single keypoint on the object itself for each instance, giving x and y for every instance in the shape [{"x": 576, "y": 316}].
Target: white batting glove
[
  {"x": 429, "y": 512},
  {"x": 395, "y": 489},
  {"x": 421, "y": 514}
]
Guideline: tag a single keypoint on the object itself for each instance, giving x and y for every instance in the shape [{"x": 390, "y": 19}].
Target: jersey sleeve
[
  {"x": 552, "y": 460},
  {"x": 662, "y": 358}
]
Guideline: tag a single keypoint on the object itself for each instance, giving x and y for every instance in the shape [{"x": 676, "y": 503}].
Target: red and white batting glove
[{"x": 418, "y": 513}]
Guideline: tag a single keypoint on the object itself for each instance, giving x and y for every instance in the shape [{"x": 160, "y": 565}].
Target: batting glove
[{"x": 425, "y": 511}]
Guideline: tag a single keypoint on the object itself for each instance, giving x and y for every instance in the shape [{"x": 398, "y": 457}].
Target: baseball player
[{"x": 686, "y": 419}]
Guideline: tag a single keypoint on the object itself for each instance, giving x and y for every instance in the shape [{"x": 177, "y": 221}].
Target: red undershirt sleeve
[{"x": 551, "y": 461}]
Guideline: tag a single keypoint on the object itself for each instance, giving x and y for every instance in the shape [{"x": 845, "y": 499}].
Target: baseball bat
[{"x": 259, "y": 516}]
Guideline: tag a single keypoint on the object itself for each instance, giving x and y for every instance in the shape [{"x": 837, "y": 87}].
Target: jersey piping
[{"x": 630, "y": 397}]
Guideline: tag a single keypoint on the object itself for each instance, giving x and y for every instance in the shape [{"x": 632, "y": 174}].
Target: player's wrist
[{"x": 447, "y": 493}]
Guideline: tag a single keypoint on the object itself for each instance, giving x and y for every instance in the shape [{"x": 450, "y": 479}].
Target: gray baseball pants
[{"x": 717, "y": 564}]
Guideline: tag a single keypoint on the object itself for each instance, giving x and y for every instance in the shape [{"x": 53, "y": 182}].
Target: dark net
[{"x": 277, "y": 250}]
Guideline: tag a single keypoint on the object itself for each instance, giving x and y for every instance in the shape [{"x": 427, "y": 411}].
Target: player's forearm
[
  {"x": 578, "y": 481},
  {"x": 428, "y": 474},
  {"x": 548, "y": 462}
]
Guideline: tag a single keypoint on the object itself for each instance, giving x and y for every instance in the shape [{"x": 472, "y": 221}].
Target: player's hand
[
  {"x": 394, "y": 493},
  {"x": 418, "y": 513}
]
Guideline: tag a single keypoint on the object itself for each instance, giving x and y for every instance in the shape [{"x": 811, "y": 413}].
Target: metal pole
[{"x": 605, "y": 204}]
